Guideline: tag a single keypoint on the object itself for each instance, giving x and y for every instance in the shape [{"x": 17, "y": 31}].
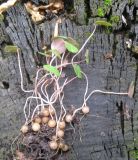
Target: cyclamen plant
[{"x": 49, "y": 89}]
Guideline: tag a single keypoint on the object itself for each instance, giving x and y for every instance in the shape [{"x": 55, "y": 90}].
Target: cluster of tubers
[{"x": 45, "y": 117}]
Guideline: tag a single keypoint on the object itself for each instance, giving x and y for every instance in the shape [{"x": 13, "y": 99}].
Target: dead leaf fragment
[
  {"x": 36, "y": 16},
  {"x": 38, "y": 12},
  {"x": 6, "y": 5},
  {"x": 57, "y": 4}
]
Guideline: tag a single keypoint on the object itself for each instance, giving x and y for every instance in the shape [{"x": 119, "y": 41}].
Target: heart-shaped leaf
[
  {"x": 52, "y": 69},
  {"x": 71, "y": 47},
  {"x": 131, "y": 90},
  {"x": 77, "y": 70},
  {"x": 73, "y": 41},
  {"x": 59, "y": 45}
]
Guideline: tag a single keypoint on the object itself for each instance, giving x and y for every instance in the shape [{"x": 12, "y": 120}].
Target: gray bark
[{"x": 106, "y": 133}]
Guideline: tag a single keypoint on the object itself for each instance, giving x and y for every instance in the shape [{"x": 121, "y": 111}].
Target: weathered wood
[{"x": 106, "y": 133}]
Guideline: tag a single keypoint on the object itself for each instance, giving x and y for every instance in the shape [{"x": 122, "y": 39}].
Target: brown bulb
[
  {"x": 53, "y": 145},
  {"x": 35, "y": 127},
  {"x": 61, "y": 145},
  {"x": 51, "y": 123},
  {"x": 60, "y": 133},
  {"x": 68, "y": 118},
  {"x": 45, "y": 120},
  {"x": 85, "y": 109},
  {"x": 37, "y": 120},
  {"x": 45, "y": 112},
  {"x": 54, "y": 138},
  {"x": 65, "y": 148},
  {"x": 62, "y": 125},
  {"x": 24, "y": 129}
]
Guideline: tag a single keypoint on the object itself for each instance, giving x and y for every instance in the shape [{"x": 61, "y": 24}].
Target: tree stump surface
[{"x": 106, "y": 133}]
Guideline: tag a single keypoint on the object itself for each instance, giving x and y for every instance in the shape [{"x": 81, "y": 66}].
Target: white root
[{"x": 21, "y": 75}]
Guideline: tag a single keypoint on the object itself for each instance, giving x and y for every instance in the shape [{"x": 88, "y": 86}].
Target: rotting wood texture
[{"x": 107, "y": 133}]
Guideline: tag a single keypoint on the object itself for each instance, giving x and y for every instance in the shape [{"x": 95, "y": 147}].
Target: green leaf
[
  {"x": 69, "y": 39},
  {"x": 103, "y": 23},
  {"x": 73, "y": 41},
  {"x": 52, "y": 69},
  {"x": 77, "y": 70},
  {"x": 10, "y": 49},
  {"x": 87, "y": 56},
  {"x": 70, "y": 44},
  {"x": 71, "y": 47},
  {"x": 131, "y": 90}
]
